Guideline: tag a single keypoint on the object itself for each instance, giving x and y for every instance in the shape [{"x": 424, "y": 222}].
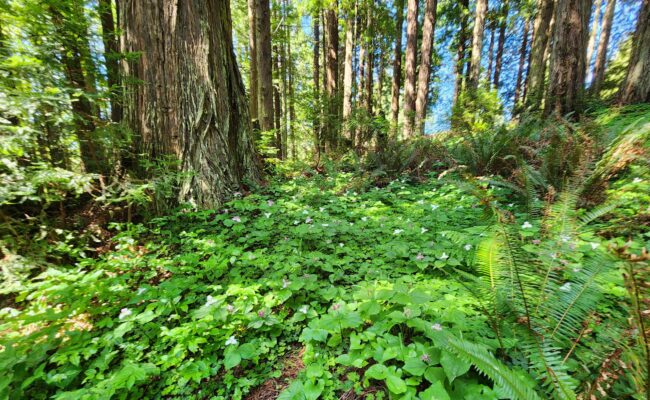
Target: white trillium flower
[
  {"x": 398, "y": 231},
  {"x": 236, "y": 218},
  {"x": 325, "y": 225},
  {"x": 566, "y": 287},
  {"x": 321, "y": 209},
  {"x": 232, "y": 341},
  {"x": 526, "y": 225},
  {"x": 141, "y": 291},
  {"x": 444, "y": 256},
  {"x": 125, "y": 312},
  {"x": 364, "y": 219},
  {"x": 434, "y": 207},
  {"x": 341, "y": 244},
  {"x": 267, "y": 214},
  {"x": 424, "y": 230},
  {"x": 210, "y": 301},
  {"x": 420, "y": 201},
  {"x": 304, "y": 309},
  {"x": 594, "y": 245},
  {"x": 637, "y": 180},
  {"x": 436, "y": 327},
  {"x": 468, "y": 247}
]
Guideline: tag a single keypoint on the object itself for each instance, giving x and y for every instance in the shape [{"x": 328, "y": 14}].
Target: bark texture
[
  {"x": 567, "y": 66},
  {"x": 503, "y": 24},
  {"x": 264, "y": 64},
  {"x": 636, "y": 86},
  {"x": 537, "y": 64},
  {"x": 522, "y": 60},
  {"x": 410, "y": 66},
  {"x": 591, "y": 45},
  {"x": 348, "y": 75},
  {"x": 601, "y": 55},
  {"x": 397, "y": 63},
  {"x": 317, "y": 99},
  {"x": 191, "y": 104},
  {"x": 331, "y": 75},
  {"x": 477, "y": 43},
  {"x": 462, "y": 48},
  {"x": 424, "y": 73}
]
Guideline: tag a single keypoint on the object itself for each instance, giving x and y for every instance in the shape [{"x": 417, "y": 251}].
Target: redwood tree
[
  {"x": 411, "y": 58},
  {"x": 537, "y": 64},
  {"x": 428, "y": 37},
  {"x": 397, "y": 62},
  {"x": 191, "y": 105},
  {"x": 636, "y": 86}
]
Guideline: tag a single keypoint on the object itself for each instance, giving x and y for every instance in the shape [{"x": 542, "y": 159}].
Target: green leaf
[
  {"x": 435, "y": 392},
  {"x": 395, "y": 384},
  {"x": 313, "y": 390},
  {"x": 377, "y": 371},
  {"x": 415, "y": 366},
  {"x": 232, "y": 359},
  {"x": 453, "y": 366}
]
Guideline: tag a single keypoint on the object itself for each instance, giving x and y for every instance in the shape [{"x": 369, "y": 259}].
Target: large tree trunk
[
  {"x": 567, "y": 66},
  {"x": 264, "y": 64},
  {"x": 191, "y": 105},
  {"x": 111, "y": 55},
  {"x": 460, "y": 53},
  {"x": 316, "y": 72},
  {"x": 428, "y": 38},
  {"x": 601, "y": 56},
  {"x": 522, "y": 61},
  {"x": 503, "y": 24},
  {"x": 397, "y": 64},
  {"x": 537, "y": 64},
  {"x": 253, "y": 83},
  {"x": 591, "y": 46},
  {"x": 636, "y": 86},
  {"x": 370, "y": 55},
  {"x": 411, "y": 59},
  {"x": 332, "y": 74},
  {"x": 277, "y": 104},
  {"x": 491, "y": 52},
  {"x": 477, "y": 43},
  {"x": 348, "y": 75}
]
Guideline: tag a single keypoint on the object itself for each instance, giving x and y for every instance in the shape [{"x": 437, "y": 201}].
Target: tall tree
[
  {"x": 567, "y": 65},
  {"x": 252, "y": 46},
  {"x": 332, "y": 74},
  {"x": 111, "y": 56},
  {"x": 591, "y": 45},
  {"x": 491, "y": 49},
  {"x": 537, "y": 64},
  {"x": 348, "y": 73},
  {"x": 462, "y": 48},
  {"x": 192, "y": 105},
  {"x": 397, "y": 63},
  {"x": 264, "y": 64},
  {"x": 424, "y": 73},
  {"x": 477, "y": 43},
  {"x": 636, "y": 86},
  {"x": 503, "y": 24},
  {"x": 601, "y": 55},
  {"x": 522, "y": 60},
  {"x": 316, "y": 73},
  {"x": 370, "y": 57},
  {"x": 410, "y": 67}
]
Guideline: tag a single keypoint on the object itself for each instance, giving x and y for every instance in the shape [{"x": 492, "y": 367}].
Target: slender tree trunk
[
  {"x": 332, "y": 33},
  {"x": 84, "y": 113},
  {"x": 503, "y": 24},
  {"x": 397, "y": 64},
  {"x": 252, "y": 45},
  {"x": 264, "y": 64},
  {"x": 591, "y": 46},
  {"x": 292, "y": 104},
  {"x": 277, "y": 104},
  {"x": 317, "y": 99},
  {"x": 284, "y": 81},
  {"x": 411, "y": 60},
  {"x": 111, "y": 55},
  {"x": 636, "y": 86},
  {"x": 601, "y": 56},
  {"x": 424, "y": 73},
  {"x": 491, "y": 53},
  {"x": 192, "y": 104},
  {"x": 522, "y": 61},
  {"x": 567, "y": 67},
  {"x": 537, "y": 64},
  {"x": 370, "y": 54},
  {"x": 460, "y": 53},
  {"x": 477, "y": 43},
  {"x": 348, "y": 75}
]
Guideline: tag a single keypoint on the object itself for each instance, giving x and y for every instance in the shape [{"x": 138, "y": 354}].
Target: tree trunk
[
  {"x": 567, "y": 66},
  {"x": 348, "y": 76},
  {"x": 460, "y": 53},
  {"x": 292, "y": 104},
  {"x": 397, "y": 64},
  {"x": 192, "y": 104},
  {"x": 316, "y": 72},
  {"x": 491, "y": 52},
  {"x": 252, "y": 45},
  {"x": 591, "y": 46},
  {"x": 522, "y": 61},
  {"x": 424, "y": 73},
  {"x": 503, "y": 24},
  {"x": 537, "y": 64},
  {"x": 111, "y": 55},
  {"x": 477, "y": 43},
  {"x": 264, "y": 64},
  {"x": 636, "y": 86},
  {"x": 332, "y": 33},
  {"x": 601, "y": 56},
  {"x": 84, "y": 113},
  {"x": 277, "y": 105},
  {"x": 370, "y": 54},
  {"x": 411, "y": 59}
]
